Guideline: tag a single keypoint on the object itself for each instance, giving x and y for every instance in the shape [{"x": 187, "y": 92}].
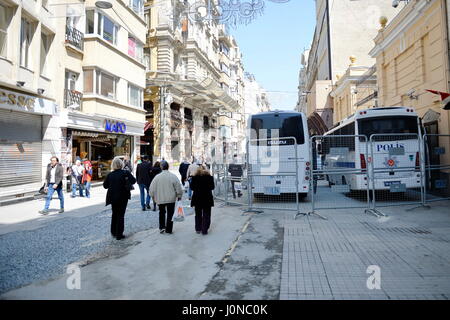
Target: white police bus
[
  {"x": 399, "y": 151},
  {"x": 274, "y": 158}
]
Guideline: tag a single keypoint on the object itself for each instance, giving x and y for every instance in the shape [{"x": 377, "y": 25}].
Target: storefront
[
  {"x": 99, "y": 140},
  {"x": 100, "y": 149},
  {"x": 24, "y": 121}
]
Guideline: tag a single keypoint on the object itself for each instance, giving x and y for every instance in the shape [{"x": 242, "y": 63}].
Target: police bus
[
  {"x": 279, "y": 148},
  {"x": 396, "y": 135}
]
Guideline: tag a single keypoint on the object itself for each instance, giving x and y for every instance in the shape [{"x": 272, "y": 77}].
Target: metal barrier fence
[
  {"x": 273, "y": 174},
  {"x": 396, "y": 171},
  {"x": 339, "y": 176},
  {"x": 437, "y": 167},
  {"x": 342, "y": 171}
]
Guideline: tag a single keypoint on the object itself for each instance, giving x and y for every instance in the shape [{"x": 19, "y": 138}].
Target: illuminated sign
[{"x": 114, "y": 126}]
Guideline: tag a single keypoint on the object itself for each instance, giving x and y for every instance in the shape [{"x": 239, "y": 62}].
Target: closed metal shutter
[{"x": 20, "y": 148}]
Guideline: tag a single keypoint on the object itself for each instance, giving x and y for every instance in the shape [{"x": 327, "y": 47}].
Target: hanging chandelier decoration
[{"x": 228, "y": 12}]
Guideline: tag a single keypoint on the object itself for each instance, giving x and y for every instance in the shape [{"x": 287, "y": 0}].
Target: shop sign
[
  {"x": 23, "y": 102},
  {"x": 115, "y": 126}
]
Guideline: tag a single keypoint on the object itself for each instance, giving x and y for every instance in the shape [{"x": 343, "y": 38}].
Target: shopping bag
[
  {"x": 238, "y": 186},
  {"x": 178, "y": 215}
]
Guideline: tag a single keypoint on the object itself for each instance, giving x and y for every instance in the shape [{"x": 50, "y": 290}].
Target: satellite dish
[{"x": 103, "y": 4}]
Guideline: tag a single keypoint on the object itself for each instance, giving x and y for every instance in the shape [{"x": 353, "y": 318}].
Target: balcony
[
  {"x": 175, "y": 117},
  {"x": 75, "y": 38},
  {"x": 72, "y": 99}
]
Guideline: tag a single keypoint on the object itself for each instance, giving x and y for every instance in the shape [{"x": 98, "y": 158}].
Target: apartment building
[
  {"x": 193, "y": 84},
  {"x": 343, "y": 28},
  {"x": 71, "y": 82}
]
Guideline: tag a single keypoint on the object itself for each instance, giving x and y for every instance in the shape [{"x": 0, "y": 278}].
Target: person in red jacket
[{"x": 87, "y": 178}]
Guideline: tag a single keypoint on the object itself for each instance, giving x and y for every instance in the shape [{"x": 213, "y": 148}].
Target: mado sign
[{"x": 118, "y": 127}]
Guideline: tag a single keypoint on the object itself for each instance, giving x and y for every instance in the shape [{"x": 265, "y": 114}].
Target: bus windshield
[
  {"x": 289, "y": 125},
  {"x": 388, "y": 125}
]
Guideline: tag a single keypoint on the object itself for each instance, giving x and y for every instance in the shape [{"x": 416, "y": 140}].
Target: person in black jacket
[
  {"x": 119, "y": 183},
  {"x": 202, "y": 199},
  {"x": 156, "y": 169},
  {"x": 183, "y": 170},
  {"x": 143, "y": 179},
  {"x": 236, "y": 173}
]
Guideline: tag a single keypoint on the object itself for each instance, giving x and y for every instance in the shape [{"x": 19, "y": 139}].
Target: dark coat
[
  {"x": 183, "y": 169},
  {"x": 115, "y": 182},
  {"x": 235, "y": 170},
  {"x": 143, "y": 173},
  {"x": 154, "y": 172},
  {"x": 202, "y": 187},
  {"x": 59, "y": 174}
]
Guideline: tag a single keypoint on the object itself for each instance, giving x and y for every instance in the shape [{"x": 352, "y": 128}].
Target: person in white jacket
[{"x": 165, "y": 190}]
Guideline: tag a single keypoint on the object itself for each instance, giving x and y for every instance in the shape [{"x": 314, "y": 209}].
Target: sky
[{"x": 271, "y": 46}]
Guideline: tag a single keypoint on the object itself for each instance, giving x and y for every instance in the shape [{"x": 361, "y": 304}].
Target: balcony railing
[
  {"x": 72, "y": 99},
  {"x": 75, "y": 38}
]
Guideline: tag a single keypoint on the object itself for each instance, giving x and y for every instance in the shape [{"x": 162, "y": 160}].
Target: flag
[{"x": 445, "y": 97}]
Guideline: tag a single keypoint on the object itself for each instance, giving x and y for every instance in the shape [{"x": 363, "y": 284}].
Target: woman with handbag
[
  {"x": 202, "y": 199},
  {"x": 119, "y": 183}
]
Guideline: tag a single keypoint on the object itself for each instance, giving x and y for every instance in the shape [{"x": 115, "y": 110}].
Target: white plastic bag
[{"x": 178, "y": 214}]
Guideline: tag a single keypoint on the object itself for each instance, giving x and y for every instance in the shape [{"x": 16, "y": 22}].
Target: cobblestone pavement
[{"x": 329, "y": 259}]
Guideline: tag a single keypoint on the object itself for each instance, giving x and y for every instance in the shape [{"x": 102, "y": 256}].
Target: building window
[
  {"x": 225, "y": 68},
  {"x": 135, "y": 48},
  {"x": 147, "y": 59},
  {"x": 106, "y": 85},
  {"x": 104, "y": 27},
  {"x": 5, "y": 18},
  {"x": 137, "y": 6},
  {"x": 90, "y": 23},
  {"x": 46, "y": 41},
  {"x": 224, "y": 49},
  {"x": 134, "y": 96},
  {"x": 88, "y": 76},
  {"x": 26, "y": 34}
]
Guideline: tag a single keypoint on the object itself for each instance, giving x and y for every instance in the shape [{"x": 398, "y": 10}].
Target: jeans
[
  {"x": 87, "y": 187},
  {"x": 189, "y": 189},
  {"x": 142, "y": 189},
  {"x": 51, "y": 190},
  {"x": 74, "y": 189}
]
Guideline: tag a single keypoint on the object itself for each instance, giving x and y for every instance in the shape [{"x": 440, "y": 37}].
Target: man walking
[
  {"x": 165, "y": 190},
  {"x": 183, "y": 170},
  {"x": 143, "y": 179},
  {"x": 77, "y": 175},
  {"x": 53, "y": 182},
  {"x": 236, "y": 173}
]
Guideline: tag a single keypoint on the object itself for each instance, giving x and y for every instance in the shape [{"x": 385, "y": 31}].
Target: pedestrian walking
[
  {"x": 236, "y": 173},
  {"x": 119, "y": 183},
  {"x": 156, "y": 169},
  {"x": 165, "y": 189},
  {"x": 87, "y": 178},
  {"x": 183, "y": 170},
  {"x": 127, "y": 164},
  {"x": 192, "y": 169},
  {"x": 77, "y": 175},
  {"x": 143, "y": 171},
  {"x": 202, "y": 199},
  {"x": 53, "y": 182}
]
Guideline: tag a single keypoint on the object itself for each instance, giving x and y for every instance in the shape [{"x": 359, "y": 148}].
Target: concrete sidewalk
[{"x": 149, "y": 265}]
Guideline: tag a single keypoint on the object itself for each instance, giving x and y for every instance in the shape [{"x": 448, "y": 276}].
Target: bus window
[
  {"x": 288, "y": 125},
  {"x": 388, "y": 125}
]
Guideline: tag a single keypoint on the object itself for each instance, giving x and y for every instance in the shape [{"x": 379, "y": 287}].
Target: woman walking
[
  {"x": 119, "y": 183},
  {"x": 202, "y": 199}
]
